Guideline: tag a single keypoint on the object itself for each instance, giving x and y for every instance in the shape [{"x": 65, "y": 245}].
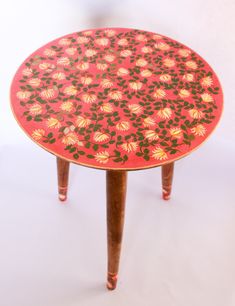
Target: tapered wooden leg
[
  {"x": 167, "y": 177},
  {"x": 116, "y": 194},
  {"x": 63, "y": 177}
]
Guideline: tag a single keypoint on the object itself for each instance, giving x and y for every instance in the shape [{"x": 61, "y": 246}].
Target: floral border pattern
[{"x": 117, "y": 98}]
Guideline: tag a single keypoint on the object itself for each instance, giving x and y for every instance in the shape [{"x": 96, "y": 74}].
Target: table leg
[
  {"x": 167, "y": 177},
  {"x": 116, "y": 194},
  {"x": 63, "y": 177}
]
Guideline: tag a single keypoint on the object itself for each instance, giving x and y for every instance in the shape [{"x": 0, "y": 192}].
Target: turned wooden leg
[
  {"x": 63, "y": 177},
  {"x": 167, "y": 177},
  {"x": 116, "y": 194}
]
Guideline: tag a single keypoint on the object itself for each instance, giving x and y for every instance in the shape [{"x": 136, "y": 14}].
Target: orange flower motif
[
  {"x": 83, "y": 66},
  {"x": 195, "y": 113},
  {"x": 145, "y": 73},
  {"x": 49, "y": 52},
  {"x": 110, "y": 33},
  {"x": 58, "y": 76},
  {"x": 67, "y": 106},
  {"x": 109, "y": 58},
  {"x": 64, "y": 42},
  {"x": 38, "y": 134},
  {"x": 126, "y": 53},
  {"x": 90, "y": 52},
  {"x": 191, "y": 65},
  {"x": 122, "y": 42},
  {"x": 188, "y": 77},
  {"x": 184, "y": 52},
  {"x": 159, "y": 153},
  {"x": 116, "y": 95},
  {"x": 34, "y": 82},
  {"x": 207, "y": 81},
  {"x": 135, "y": 108},
  {"x": 123, "y": 126},
  {"x": 130, "y": 146},
  {"x": 49, "y": 93},
  {"x": 23, "y": 95},
  {"x": 135, "y": 85},
  {"x": 70, "y": 90},
  {"x": 122, "y": 71},
  {"x": 184, "y": 93},
  {"x": 53, "y": 123},
  {"x": 63, "y": 61},
  {"x": 165, "y": 77},
  {"x": 86, "y": 80},
  {"x": 146, "y": 49},
  {"x": 141, "y": 37},
  {"x": 159, "y": 93},
  {"x": 151, "y": 135},
  {"x": 199, "y": 130},
  {"x": 71, "y": 51},
  {"x": 82, "y": 121},
  {"x": 141, "y": 62},
  {"x": 35, "y": 109},
  {"x": 70, "y": 139},
  {"x": 82, "y": 40},
  {"x": 102, "y": 41},
  {"x": 89, "y": 98},
  {"x": 165, "y": 113},
  {"x": 148, "y": 122},
  {"x": 102, "y": 66},
  {"x": 106, "y": 83},
  {"x": 87, "y": 33},
  {"x": 102, "y": 157},
  {"x": 48, "y": 67},
  {"x": 156, "y": 36},
  {"x": 176, "y": 132},
  {"x": 100, "y": 137},
  {"x": 168, "y": 62},
  {"x": 27, "y": 71},
  {"x": 162, "y": 46},
  {"x": 206, "y": 97},
  {"x": 106, "y": 108}
]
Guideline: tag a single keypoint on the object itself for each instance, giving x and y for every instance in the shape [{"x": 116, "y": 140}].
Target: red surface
[{"x": 116, "y": 98}]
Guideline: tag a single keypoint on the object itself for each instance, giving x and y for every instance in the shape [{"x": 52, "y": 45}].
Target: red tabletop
[{"x": 117, "y": 98}]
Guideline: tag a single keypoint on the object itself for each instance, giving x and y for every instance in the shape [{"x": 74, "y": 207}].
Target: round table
[{"x": 116, "y": 99}]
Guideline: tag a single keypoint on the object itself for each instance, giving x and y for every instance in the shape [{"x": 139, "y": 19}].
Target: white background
[{"x": 175, "y": 253}]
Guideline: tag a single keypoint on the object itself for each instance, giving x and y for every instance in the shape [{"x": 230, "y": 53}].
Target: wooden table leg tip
[
  {"x": 166, "y": 196},
  {"x": 62, "y": 197},
  {"x": 111, "y": 282}
]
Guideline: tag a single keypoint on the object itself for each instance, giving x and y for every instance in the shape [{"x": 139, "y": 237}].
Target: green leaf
[
  {"x": 95, "y": 147},
  {"x": 90, "y": 156},
  {"x": 52, "y": 140},
  {"x": 76, "y": 156},
  {"x": 50, "y": 135}
]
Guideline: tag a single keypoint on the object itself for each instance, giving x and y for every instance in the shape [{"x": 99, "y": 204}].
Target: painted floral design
[{"x": 117, "y": 98}]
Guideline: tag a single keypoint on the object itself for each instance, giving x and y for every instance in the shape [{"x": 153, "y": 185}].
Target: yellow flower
[
  {"x": 48, "y": 67},
  {"x": 90, "y": 52},
  {"x": 64, "y": 42},
  {"x": 23, "y": 95},
  {"x": 141, "y": 37},
  {"x": 34, "y": 82},
  {"x": 159, "y": 153},
  {"x": 159, "y": 93},
  {"x": 135, "y": 108},
  {"x": 116, "y": 95},
  {"x": 156, "y": 36},
  {"x": 141, "y": 62},
  {"x": 122, "y": 71},
  {"x": 126, "y": 53},
  {"x": 149, "y": 122},
  {"x": 184, "y": 52},
  {"x": 106, "y": 83},
  {"x": 109, "y": 58},
  {"x": 122, "y": 42},
  {"x": 89, "y": 98},
  {"x": 165, "y": 113},
  {"x": 135, "y": 85},
  {"x": 38, "y": 134},
  {"x": 70, "y": 90},
  {"x": 86, "y": 80},
  {"x": 165, "y": 77},
  {"x": 146, "y": 49},
  {"x": 123, "y": 126},
  {"x": 196, "y": 114},
  {"x": 53, "y": 123},
  {"x": 162, "y": 46},
  {"x": 27, "y": 71},
  {"x": 48, "y": 93},
  {"x": 191, "y": 65},
  {"x": 102, "y": 66},
  {"x": 35, "y": 109},
  {"x": 110, "y": 33},
  {"x": 207, "y": 81},
  {"x": 99, "y": 137},
  {"x": 199, "y": 130},
  {"x": 102, "y": 157},
  {"x": 206, "y": 97},
  {"x": 63, "y": 61},
  {"x": 176, "y": 132},
  {"x": 107, "y": 108},
  {"x": 67, "y": 106},
  {"x": 87, "y": 33},
  {"x": 188, "y": 77},
  {"x": 71, "y": 51},
  {"x": 102, "y": 41},
  {"x": 70, "y": 139},
  {"x": 130, "y": 146},
  {"x": 184, "y": 93},
  {"x": 82, "y": 40},
  {"x": 83, "y": 66},
  {"x": 82, "y": 121},
  {"x": 59, "y": 76},
  {"x": 151, "y": 135},
  {"x": 145, "y": 73},
  {"x": 168, "y": 62}
]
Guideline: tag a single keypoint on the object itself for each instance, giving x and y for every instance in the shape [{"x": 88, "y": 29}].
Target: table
[{"x": 116, "y": 99}]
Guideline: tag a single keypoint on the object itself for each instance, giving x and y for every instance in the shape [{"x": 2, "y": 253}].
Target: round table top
[{"x": 117, "y": 98}]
